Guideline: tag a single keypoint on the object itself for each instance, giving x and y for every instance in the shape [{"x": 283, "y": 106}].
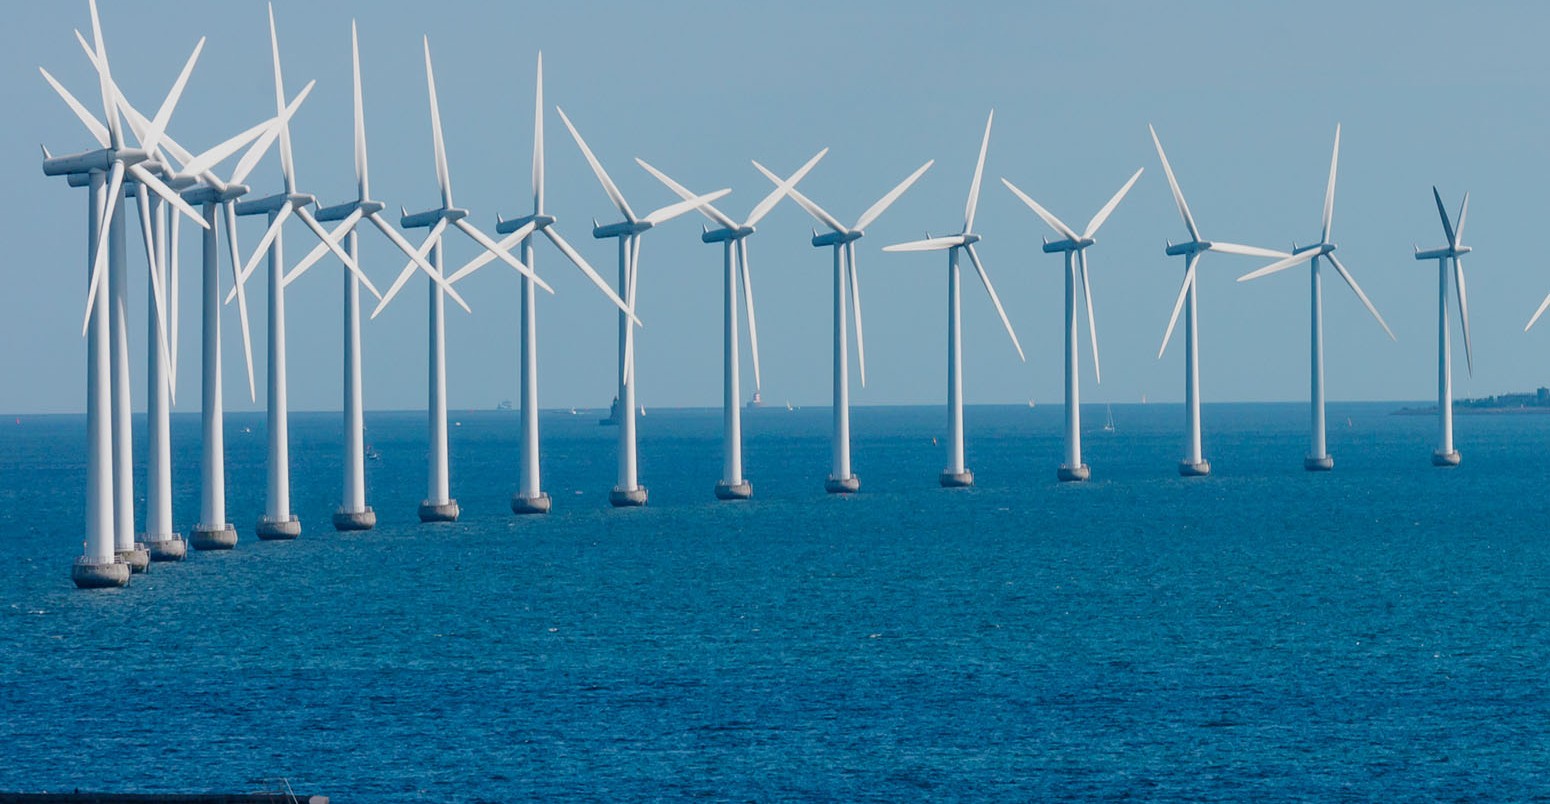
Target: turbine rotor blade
[
  {"x": 281, "y": 122},
  {"x": 672, "y": 211},
  {"x": 238, "y": 282},
  {"x": 877, "y": 209},
  {"x": 486, "y": 257},
  {"x": 443, "y": 176},
  {"x": 99, "y": 272},
  {"x": 1092, "y": 326},
  {"x": 586, "y": 268},
  {"x": 538, "y": 140},
  {"x": 1442, "y": 212},
  {"x": 996, "y": 300},
  {"x": 855, "y": 305},
  {"x": 219, "y": 153},
  {"x": 1350, "y": 280},
  {"x": 979, "y": 173},
  {"x": 1463, "y": 216},
  {"x": 1537, "y": 313},
  {"x": 1054, "y": 223},
  {"x": 164, "y": 114},
  {"x": 418, "y": 258},
  {"x": 1108, "y": 209},
  {"x": 98, "y": 131},
  {"x": 1178, "y": 195},
  {"x": 1458, "y": 279},
  {"x": 1282, "y": 264},
  {"x": 1329, "y": 192},
  {"x": 805, "y": 203},
  {"x": 769, "y": 201},
  {"x": 1247, "y": 251},
  {"x": 929, "y": 244},
  {"x": 710, "y": 212},
  {"x": 1178, "y": 306},
  {"x": 262, "y": 249},
  {"x": 361, "y": 177},
  {"x": 317, "y": 252},
  {"x": 416, "y": 262},
  {"x": 753, "y": 327},
  {"x": 597, "y": 170},
  {"x": 331, "y": 245},
  {"x": 147, "y": 180},
  {"x": 500, "y": 253}
]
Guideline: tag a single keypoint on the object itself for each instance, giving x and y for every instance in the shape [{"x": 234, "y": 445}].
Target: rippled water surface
[{"x": 1378, "y": 632}]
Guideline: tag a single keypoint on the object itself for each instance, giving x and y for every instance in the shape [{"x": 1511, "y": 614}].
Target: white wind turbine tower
[
  {"x": 1319, "y": 459},
  {"x": 530, "y": 497},
  {"x": 277, "y": 521},
  {"x": 1075, "y": 246},
  {"x": 843, "y": 239},
  {"x": 198, "y": 184},
  {"x": 353, "y": 513},
  {"x": 1194, "y": 463},
  {"x": 439, "y": 506},
  {"x": 1445, "y": 454},
  {"x": 957, "y": 474},
  {"x": 628, "y": 491},
  {"x": 733, "y": 237},
  {"x": 109, "y": 510}
]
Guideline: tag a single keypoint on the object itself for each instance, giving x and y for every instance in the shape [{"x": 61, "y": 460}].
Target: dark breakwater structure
[{"x": 1536, "y": 402}]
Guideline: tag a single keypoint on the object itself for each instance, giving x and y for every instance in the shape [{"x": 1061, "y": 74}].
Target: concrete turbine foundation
[
  {"x": 91, "y": 575},
  {"x": 439, "y": 512},
  {"x": 627, "y": 498},
  {"x": 208, "y": 538},
  {"x": 956, "y": 480},
  {"x": 138, "y": 558},
  {"x": 170, "y": 548},
  {"x": 1073, "y": 474},
  {"x": 842, "y": 485},
  {"x": 539, "y": 504},
  {"x": 1446, "y": 459},
  {"x": 365, "y": 519},
  {"x": 274, "y": 530},
  {"x": 1200, "y": 468},
  {"x": 1323, "y": 464},
  {"x": 733, "y": 491}
]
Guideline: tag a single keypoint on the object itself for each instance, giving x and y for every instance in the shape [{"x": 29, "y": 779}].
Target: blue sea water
[{"x": 1378, "y": 632}]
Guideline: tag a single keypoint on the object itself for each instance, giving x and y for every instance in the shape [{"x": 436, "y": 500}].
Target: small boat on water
[{"x": 1108, "y": 425}]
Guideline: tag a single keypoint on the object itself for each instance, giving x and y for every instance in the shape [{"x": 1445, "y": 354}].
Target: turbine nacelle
[
  {"x": 620, "y": 229},
  {"x": 1442, "y": 253},
  {"x": 206, "y": 194},
  {"x": 969, "y": 238},
  {"x": 1067, "y": 244},
  {"x": 540, "y": 223},
  {"x": 339, "y": 212},
  {"x": 272, "y": 203},
  {"x": 431, "y": 217},
  {"x": 1186, "y": 249},
  {"x": 837, "y": 238},
  {"x": 725, "y": 235}
]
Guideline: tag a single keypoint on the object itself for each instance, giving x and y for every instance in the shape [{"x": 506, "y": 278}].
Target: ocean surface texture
[{"x": 1377, "y": 632}]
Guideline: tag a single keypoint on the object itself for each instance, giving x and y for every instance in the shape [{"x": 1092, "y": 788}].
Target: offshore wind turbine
[
  {"x": 628, "y": 492},
  {"x": 1194, "y": 463},
  {"x": 842, "y": 240},
  {"x": 530, "y": 497},
  {"x": 957, "y": 474},
  {"x": 1075, "y": 246},
  {"x": 1445, "y": 454},
  {"x": 1318, "y": 458},
  {"x": 353, "y": 513},
  {"x": 733, "y": 237},
  {"x": 277, "y": 521},
  {"x": 198, "y": 184},
  {"x": 109, "y": 504},
  {"x": 438, "y": 505}
]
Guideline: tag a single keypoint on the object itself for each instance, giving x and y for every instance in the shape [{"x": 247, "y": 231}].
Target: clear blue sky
[{"x": 1245, "y": 96}]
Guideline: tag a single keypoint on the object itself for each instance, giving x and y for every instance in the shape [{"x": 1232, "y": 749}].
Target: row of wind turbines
[{"x": 168, "y": 181}]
